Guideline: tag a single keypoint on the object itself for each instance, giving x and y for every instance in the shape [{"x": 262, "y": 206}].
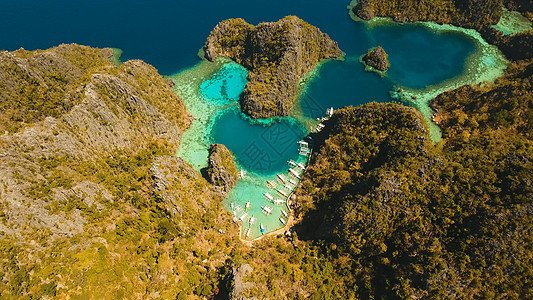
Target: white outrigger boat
[
  {"x": 292, "y": 181},
  {"x": 252, "y": 220},
  {"x": 247, "y": 206},
  {"x": 303, "y": 143},
  {"x": 295, "y": 173},
  {"x": 267, "y": 210},
  {"x": 271, "y": 184},
  {"x": 262, "y": 229},
  {"x": 282, "y": 178},
  {"x": 282, "y": 193},
  {"x": 242, "y": 174},
  {"x": 279, "y": 202},
  {"x": 243, "y": 216},
  {"x": 248, "y": 231},
  {"x": 292, "y": 163},
  {"x": 301, "y": 166},
  {"x": 285, "y": 213},
  {"x": 282, "y": 221},
  {"x": 237, "y": 210},
  {"x": 269, "y": 197}
]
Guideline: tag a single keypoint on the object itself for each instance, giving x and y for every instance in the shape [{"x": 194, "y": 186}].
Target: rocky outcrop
[
  {"x": 240, "y": 286},
  {"x": 377, "y": 58},
  {"x": 83, "y": 111},
  {"x": 180, "y": 188},
  {"x": 470, "y": 14},
  {"x": 221, "y": 170},
  {"x": 278, "y": 55}
]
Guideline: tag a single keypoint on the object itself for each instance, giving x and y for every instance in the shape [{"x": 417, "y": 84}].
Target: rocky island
[
  {"x": 278, "y": 55},
  {"x": 376, "y": 59}
]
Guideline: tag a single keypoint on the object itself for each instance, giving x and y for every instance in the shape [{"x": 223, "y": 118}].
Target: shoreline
[{"x": 485, "y": 64}]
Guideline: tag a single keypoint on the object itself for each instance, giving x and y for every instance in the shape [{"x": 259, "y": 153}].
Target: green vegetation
[
  {"x": 418, "y": 220},
  {"x": 382, "y": 212},
  {"x": 470, "y": 14},
  {"x": 278, "y": 55},
  {"x": 50, "y": 90}
]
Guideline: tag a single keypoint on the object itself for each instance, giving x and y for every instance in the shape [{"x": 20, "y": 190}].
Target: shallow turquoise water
[
  {"x": 226, "y": 85},
  {"x": 259, "y": 148}
]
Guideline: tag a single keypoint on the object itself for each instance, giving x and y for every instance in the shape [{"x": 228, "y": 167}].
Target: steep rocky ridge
[
  {"x": 90, "y": 187},
  {"x": 278, "y": 55},
  {"x": 221, "y": 169},
  {"x": 104, "y": 110}
]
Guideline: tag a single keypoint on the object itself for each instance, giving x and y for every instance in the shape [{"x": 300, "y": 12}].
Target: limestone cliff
[
  {"x": 77, "y": 107},
  {"x": 89, "y": 179},
  {"x": 221, "y": 170},
  {"x": 377, "y": 58},
  {"x": 278, "y": 55}
]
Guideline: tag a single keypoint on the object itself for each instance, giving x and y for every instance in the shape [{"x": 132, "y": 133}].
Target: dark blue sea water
[
  {"x": 352, "y": 86},
  {"x": 420, "y": 57},
  {"x": 166, "y": 34}
]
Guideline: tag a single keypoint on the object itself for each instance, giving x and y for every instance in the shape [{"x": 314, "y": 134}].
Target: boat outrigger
[
  {"x": 271, "y": 184},
  {"x": 279, "y": 202},
  {"x": 269, "y": 197},
  {"x": 282, "y": 178},
  {"x": 267, "y": 210},
  {"x": 262, "y": 229},
  {"x": 294, "y": 173}
]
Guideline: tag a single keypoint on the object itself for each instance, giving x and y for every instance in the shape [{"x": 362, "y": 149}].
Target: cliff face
[
  {"x": 88, "y": 172},
  {"x": 93, "y": 110},
  {"x": 221, "y": 170},
  {"x": 278, "y": 55}
]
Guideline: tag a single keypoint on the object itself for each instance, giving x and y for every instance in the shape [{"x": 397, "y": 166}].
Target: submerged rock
[
  {"x": 278, "y": 55},
  {"x": 221, "y": 170},
  {"x": 377, "y": 58}
]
